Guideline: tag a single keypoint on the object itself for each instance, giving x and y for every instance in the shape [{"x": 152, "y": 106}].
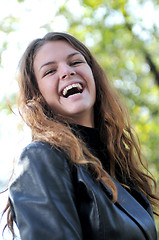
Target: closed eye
[
  {"x": 49, "y": 72},
  {"x": 75, "y": 63}
]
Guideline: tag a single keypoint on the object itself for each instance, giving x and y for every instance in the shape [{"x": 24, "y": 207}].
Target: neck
[{"x": 84, "y": 120}]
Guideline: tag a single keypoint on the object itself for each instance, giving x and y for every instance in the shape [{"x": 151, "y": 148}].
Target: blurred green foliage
[{"x": 128, "y": 51}]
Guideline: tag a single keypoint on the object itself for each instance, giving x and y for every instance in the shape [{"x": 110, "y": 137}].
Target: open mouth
[{"x": 75, "y": 88}]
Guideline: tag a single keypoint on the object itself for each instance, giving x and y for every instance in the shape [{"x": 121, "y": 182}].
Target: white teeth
[{"x": 77, "y": 85}]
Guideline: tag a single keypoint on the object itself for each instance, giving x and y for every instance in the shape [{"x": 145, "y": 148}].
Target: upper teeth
[{"x": 77, "y": 85}]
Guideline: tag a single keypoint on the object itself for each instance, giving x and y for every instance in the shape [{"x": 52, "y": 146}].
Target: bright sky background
[{"x": 33, "y": 14}]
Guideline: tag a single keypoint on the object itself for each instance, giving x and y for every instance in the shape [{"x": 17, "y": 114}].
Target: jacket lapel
[{"x": 136, "y": 212}]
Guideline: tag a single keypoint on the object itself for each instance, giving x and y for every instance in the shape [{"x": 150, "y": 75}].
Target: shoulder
[
  {"x": 39, "y": 147},
  {"x": 39, "y": 159},
  {"x": 42, "y": 151},
  {"x": 39, "y": 164}
]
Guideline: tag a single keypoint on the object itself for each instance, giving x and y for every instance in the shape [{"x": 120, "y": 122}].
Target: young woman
[{"x": 81, "y": 176}]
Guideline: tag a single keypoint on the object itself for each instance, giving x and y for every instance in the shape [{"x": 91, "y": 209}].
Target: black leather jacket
[{"x": 52, "y": 200}]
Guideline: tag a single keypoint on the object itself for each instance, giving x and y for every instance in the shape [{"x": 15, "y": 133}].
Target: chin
[{"x": 78, "y": 111}]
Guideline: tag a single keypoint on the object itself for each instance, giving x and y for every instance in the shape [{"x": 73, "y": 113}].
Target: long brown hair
[{"x": 111, "y": 119}]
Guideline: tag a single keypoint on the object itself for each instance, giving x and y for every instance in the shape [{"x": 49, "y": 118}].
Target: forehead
[{"x": 56, "y": 48}]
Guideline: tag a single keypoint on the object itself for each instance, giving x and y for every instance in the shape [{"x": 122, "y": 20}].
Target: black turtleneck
[{"x": 91, "y": 138}]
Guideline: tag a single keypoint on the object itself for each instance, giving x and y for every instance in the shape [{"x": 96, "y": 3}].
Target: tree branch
[
  {"x": 148, "y": 57},
  {"x": 152, "y": 67}
]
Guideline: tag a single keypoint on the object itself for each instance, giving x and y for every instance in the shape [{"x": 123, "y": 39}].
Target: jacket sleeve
[{"x": 42, "y": 196}]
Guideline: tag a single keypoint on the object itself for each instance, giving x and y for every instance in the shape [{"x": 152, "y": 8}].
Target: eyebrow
[{"x": 53, "y": 62}]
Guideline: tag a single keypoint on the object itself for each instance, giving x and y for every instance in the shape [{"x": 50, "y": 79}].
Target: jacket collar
[{"x": 132, "y": 208}]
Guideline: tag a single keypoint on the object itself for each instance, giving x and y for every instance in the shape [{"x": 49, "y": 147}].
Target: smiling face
[{"x": 66, "y": 81}]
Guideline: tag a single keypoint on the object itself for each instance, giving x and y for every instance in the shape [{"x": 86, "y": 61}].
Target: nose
[{"x": 66, "y": 72}]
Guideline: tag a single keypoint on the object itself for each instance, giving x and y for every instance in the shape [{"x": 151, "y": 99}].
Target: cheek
[
  {"x": 93, "y": 88},
  {"x": 89, "y": 75},
  {"x": 44, "y": 90},
  {"x": 92, "y": 83},
  {"x": 47, "y": 88}
]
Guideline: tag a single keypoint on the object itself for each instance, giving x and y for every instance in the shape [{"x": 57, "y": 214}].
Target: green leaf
[{"x": 93, "y": 4}]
